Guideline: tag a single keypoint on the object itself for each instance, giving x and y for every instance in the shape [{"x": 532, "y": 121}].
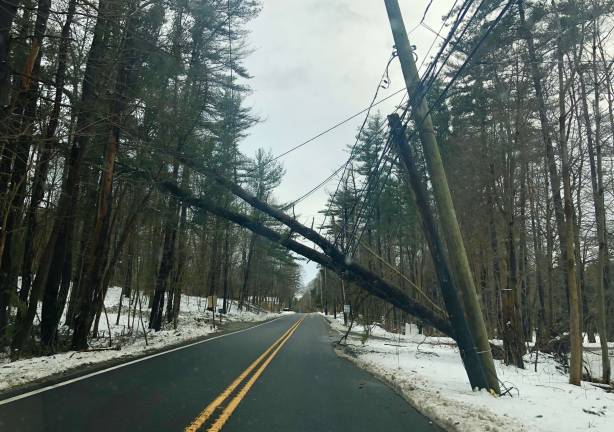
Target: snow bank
[
  {"x": 429, "y": 374},
  {"x": 194, "y": 322}
]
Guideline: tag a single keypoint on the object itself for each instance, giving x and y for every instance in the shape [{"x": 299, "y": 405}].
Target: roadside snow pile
[
  {"x": 194, "y": 323},
  {"x": 428, "y": 372}
]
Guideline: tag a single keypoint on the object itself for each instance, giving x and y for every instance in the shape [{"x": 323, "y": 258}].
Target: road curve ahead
[{"x": 279, "y": 376}]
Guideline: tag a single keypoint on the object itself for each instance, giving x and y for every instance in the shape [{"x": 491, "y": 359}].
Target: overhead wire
[
  {"x": 463, "y": 10},
  {"x": 426, "y": 75},
  {"x": 461, "y": 69},
  {"x": 336, "y": 125},
  {"x": 428, "y": 78},
  {"x": 352, "y": 151},
  {"x": 446, "y": 89},
  {"x": 373, "y": 103}
]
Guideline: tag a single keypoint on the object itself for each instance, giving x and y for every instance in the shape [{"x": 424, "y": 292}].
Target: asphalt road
[{"x": 298, "y": 385}]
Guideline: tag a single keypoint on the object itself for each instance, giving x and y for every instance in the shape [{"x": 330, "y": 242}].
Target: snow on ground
[
  {"x": 194, "y": 322},
  {"x": 428, "y": 372}
]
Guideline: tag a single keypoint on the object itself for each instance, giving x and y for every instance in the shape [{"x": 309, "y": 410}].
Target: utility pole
[
  {"x": 462, "y": 333},
  {"x": 441, "y": 191}
]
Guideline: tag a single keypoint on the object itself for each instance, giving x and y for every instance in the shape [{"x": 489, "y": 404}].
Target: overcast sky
[{"x": 315, "y": 63}]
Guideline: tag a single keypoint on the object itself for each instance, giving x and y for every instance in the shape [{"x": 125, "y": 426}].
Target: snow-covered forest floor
[
  {"x": 428, "y": 372},
  {"x": 127, "y": 338}
]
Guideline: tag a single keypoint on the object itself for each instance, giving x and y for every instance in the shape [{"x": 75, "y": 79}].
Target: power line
[
  {"x": 336, "y": 125},
  {"x": 459, "y": 38},
  {"x": 460, "y": 70},
  {"x": 429, "y": 78},
  {"x": 365, "y": 188},
  {"x": 443, "y": 94},
  {"x": 346, "y": 164},
  {"x": 371, "y": 187},
  {"x": 357, "y": 240},
  {"x": 318, "y": 186},
  {"x": 457, "y": 22},
  {"x": 465, "y": 7},
  {"x": 428, "y": 6}
]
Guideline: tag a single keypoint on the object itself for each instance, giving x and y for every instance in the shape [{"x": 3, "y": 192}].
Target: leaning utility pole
[
  {"x": 451, "y": 297},
  {"x": 441, "y": 191}
]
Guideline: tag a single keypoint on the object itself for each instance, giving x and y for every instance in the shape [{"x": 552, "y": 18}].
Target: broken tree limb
[
  {"x": 333, "y": 258},
  {"x": 327, "y": 247}
]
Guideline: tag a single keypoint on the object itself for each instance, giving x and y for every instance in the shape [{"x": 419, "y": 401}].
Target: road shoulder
[{"x": 449, "y": 415}]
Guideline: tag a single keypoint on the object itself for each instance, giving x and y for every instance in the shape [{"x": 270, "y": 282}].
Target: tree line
[
  {"x": 113, "y": 114},
  {"x": 92, "y": 96},
  {"x": 526, "y": 140}
]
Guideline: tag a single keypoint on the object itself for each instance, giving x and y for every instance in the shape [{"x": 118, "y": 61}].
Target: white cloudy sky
[{"x": 315, "y": 63}]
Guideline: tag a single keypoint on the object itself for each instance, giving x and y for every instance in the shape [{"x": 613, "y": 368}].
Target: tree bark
[
  {"x": 476, "y": 370},
  {"x": 51, "y": 267},
  {"x": 166, "y": 263},
  {"x": 596, "y": 168},
  {"x": 98, "y": 251},
  {"x": 9, "y": 10},
  {"x": 24, "y": 111},
  {"x": 564, "y": 218},
  {"x": 43, "y": 159}
]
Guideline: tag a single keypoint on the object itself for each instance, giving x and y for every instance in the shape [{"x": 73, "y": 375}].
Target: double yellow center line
[{"x": 260, "y": 365}]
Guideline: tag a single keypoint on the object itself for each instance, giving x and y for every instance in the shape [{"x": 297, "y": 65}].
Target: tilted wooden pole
[
  {"x": 462, "y": 333},
  {"x": 441, "y": 191}
]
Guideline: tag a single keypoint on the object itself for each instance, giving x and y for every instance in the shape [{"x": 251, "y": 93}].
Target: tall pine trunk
[
  {"x": 43, "y": 158},
  {"x": 51, "y": 266},
  {"x": 593, "y": 143},
  {"x": 91, "y": 295},
  {"x": 564, "y": 217}
]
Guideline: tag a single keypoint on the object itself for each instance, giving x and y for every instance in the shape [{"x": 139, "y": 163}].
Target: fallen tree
[
  {"x": 332, "y": 258},
  {"x": 452, "y": 325}
]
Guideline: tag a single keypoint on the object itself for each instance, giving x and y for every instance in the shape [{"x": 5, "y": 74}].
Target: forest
[
  {"x": 525, "y": 133},
  {"x": 120, "y": 166},
  {"x": 101, "y": 103}
]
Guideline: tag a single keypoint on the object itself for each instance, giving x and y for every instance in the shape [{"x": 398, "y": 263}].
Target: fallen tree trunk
[{"x": 332, "y": 259}]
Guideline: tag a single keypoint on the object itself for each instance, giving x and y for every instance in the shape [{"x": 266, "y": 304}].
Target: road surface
[{"x": 279, "y": 376}]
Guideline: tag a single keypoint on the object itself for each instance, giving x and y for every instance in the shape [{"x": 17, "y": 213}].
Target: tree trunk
[
  {"x": 127, "y": 288},
  {"x": 98, "y": 252},
  {"x": 51, "y": 267},
  {"x": 595, "y": 159},
  {"x": 543, "y": 331},
  {"x": 166, "y": 263},
  {"x": 247, "y": 268},
  {"x": 24, "y": 112},
  {"x": 174, "y": 303},
  {"x": 9, "y": 10},
  {"x": 564, "y": 218},
  {"x": 476, "y": 370},
  {"x": 226, "y": 267},
  {"x": 333, "y": 258},
  {"x": 43, "y": 159}
]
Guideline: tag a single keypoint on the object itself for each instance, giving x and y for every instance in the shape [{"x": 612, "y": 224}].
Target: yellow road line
[
  {"x": 206, "y": 413},
  {"x": 234, "y": 403}
]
